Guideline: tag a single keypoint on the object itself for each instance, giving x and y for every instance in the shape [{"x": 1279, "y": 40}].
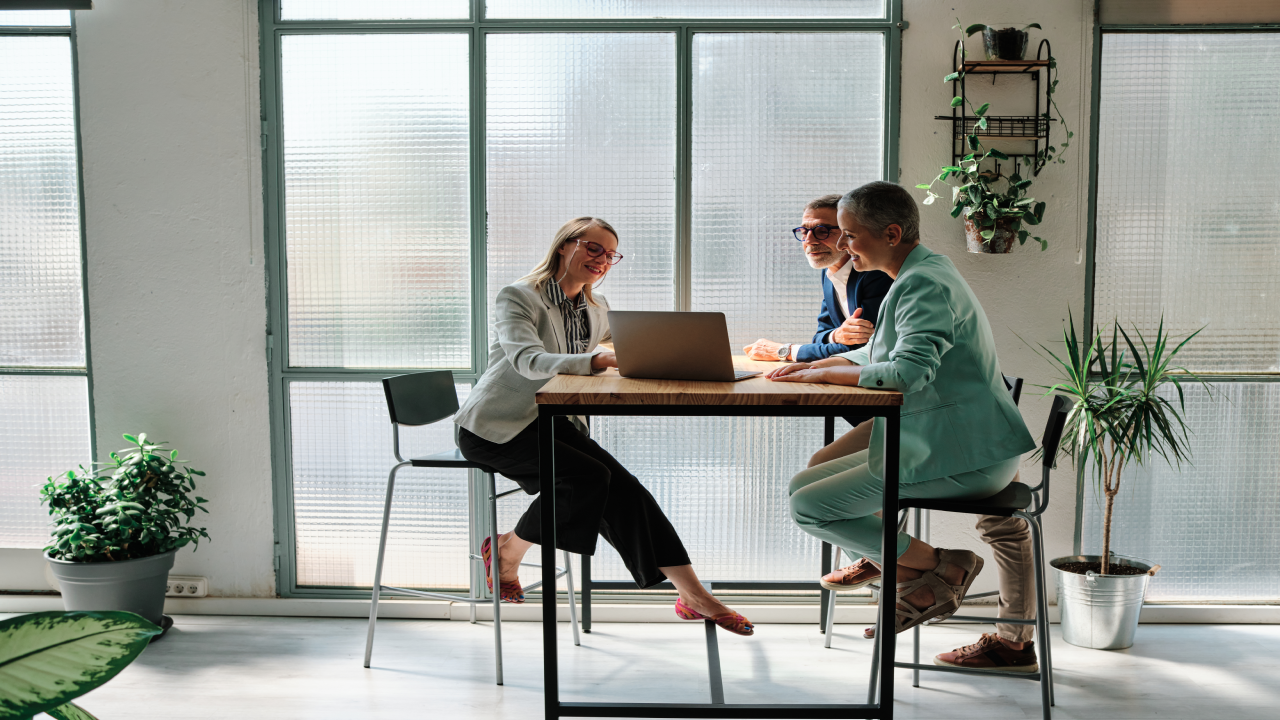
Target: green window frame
[
  {"x": 1228, "y": 382},
  {"x": 477, "y": 28},
  {"x": 86, "y": 370}
]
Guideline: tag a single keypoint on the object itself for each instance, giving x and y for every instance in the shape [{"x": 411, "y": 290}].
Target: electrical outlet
[{"x": 186, "y": 586}]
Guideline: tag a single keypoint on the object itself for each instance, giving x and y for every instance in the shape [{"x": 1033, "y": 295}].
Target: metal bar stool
[
  {"x": 1016, "y": 500},
  {"x": 421, "y": 399}
]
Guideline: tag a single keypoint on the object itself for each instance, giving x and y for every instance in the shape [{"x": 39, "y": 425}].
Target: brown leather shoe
[
  {"x": 851, "y": 577},
  {"x": 990, "y": 653}
]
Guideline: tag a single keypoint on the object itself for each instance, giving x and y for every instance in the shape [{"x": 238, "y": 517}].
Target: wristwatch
[{"x": 784, "y": 352}]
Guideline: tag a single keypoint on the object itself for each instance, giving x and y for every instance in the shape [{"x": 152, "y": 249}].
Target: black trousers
[{"x": 594, "y": 495}]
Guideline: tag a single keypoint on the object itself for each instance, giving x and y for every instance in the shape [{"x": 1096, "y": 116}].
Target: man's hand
[
  {"x": 762, "y": 350},
  {"x": 604, "y": 359},
  {"x": 854, "y": 331}
]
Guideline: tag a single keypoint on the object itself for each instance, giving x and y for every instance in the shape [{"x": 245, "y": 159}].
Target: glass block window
[
  {"x": 1187, "y": 228},
  {"x": 1210, "y": 525},
  {"x": 603, "y": 9},
  {"x": 35, "y": 18},
  {"x": 1187, "y": 232},
  {"x": 778, "y": 120},
  {"x": 342, "y": 454},
  {"x": 583, "y": 124},
  {"x": 44, "y": 399},
  {"x": 375, "y": 9},
  {"x": 376, "y": 200},
  {"x": 44, "y": 431},
  {"x": 698, "y": 144}
]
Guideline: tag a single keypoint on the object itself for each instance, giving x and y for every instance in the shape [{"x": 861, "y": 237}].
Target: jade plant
[
  {"x": 138, "y": 505},
  {"x": 992, "y": 201}
]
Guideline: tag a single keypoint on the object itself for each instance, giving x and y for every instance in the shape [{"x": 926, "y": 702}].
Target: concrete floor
[{"x": 259, "y": 667}]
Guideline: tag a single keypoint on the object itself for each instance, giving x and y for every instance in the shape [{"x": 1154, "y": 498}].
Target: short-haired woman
[
  {"x": 549, "y": 322},
  {"x": 961, "y": 434}
]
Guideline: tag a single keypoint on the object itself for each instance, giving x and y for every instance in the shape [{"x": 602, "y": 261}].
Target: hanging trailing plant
[{"x": 998, "y": 207}]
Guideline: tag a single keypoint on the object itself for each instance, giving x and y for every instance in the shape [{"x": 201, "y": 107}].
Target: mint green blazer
[{"x": 933, "y": 344}]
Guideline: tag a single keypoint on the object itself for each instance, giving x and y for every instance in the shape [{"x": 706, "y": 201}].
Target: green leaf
[
  {"x": 924, "y": 186},
  {"x": 48, "y": 659},
  {"x": 957, "y": 101},
  {"x": 972, "y": 141},
  {"x": 955, "y": 211},
  {"x": 1032, "y": 25},
  {"x": 982, "y": 109},
  {"x": 975, "y": 28},
  {"x": 130, "y": 438},
  {"x": 980, "y": 125},
  {"x": 999, "y": 155},
  {"x": 952, "y": 76},
  {"x": 70, "y": 711}
]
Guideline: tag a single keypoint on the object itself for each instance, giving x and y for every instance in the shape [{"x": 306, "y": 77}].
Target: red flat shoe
[
  {"x": 731, "y": 621},
  {"x": 511, "y": 590}
]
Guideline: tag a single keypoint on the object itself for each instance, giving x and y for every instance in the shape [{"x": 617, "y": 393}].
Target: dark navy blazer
[{"x": 866, "y": 290}]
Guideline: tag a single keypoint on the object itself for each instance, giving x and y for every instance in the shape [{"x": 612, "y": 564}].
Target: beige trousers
[{"x": 1009, "y": 538}]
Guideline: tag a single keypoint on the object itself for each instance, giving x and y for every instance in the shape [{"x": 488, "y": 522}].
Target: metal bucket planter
[
  {"x": 1100, "y": 611},
  {"x": 1000, "y": 243},
  {"x": 135, "y": 586}
]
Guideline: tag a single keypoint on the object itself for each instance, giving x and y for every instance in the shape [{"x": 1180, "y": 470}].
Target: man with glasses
[{"x": 850, "y": 300}]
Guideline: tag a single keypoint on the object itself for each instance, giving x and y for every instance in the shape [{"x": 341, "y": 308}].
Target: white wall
[
  {"x": 172, "y": 170},
  {"x": 1027, "y": 292}
]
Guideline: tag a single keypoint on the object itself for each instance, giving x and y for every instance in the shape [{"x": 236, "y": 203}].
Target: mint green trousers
[{"x": 837, "y": 500}]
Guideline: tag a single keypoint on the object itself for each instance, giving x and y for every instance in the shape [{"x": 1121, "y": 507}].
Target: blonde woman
[{"x": 550, "y": 323}]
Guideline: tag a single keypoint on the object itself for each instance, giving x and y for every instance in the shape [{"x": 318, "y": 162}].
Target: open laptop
[{"x": 673, "y": 346}]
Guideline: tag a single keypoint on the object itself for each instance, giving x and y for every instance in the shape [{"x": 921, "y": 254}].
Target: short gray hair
[
  {"x": 823, "y": 203},
  {"x": 879, "y": 204}
]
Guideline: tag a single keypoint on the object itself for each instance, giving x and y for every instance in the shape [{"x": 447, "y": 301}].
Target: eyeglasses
[
  {"x": 819, "y": 232},
  {"x": 596, "y": 250}
]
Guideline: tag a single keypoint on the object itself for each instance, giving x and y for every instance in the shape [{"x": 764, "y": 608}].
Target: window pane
[
  {"x": 791, "y": 9},
  {"x": 374, "y": 9},
  {"x": 778, "y": 120},
  {"x": 583, "y": 124},
  {"x": 1211, "y": 525},
  {"x": 341, "y": 455},
  {"x": 41, "y": 315},
  {"x": 1187, "y": 223},
  {"x": 35, "y": 18},
  {"x": 376, "y": 200},
  {"x": 723, "y": 484},
  {"x": 44, "y": 431}
]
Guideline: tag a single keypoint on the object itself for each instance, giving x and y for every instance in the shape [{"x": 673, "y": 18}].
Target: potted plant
[
  {"x": 1008, "y": 43},
  {"x": 117, "y": 529},
  {"x": 51, "y": 658},
  {"x": 996, "y": 207},
  {"x": 1120, "y": 416}
]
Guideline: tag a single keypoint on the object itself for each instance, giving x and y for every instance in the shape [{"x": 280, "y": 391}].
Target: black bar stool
[
  {"x": 1016, "y": 500},
  {"x": 421, "y": 399}
]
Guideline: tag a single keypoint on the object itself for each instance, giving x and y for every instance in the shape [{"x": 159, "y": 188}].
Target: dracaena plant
[
  {"x": 1120, "y": 415},
  {"x": 984, "y": 195},
  {"x": 138, "y": 505}
]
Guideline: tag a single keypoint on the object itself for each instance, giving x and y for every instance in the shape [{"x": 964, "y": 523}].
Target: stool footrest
[
  {"x": 968, "y": 671},
  {"x": 433, "y": 595},
  {"x": 981, "y": 619}
]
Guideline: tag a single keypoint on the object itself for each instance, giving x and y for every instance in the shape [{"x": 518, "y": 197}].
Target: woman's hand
[
  {"x": 832, "y": 371},
  {"x": 776, "y": 373},
  {"x": 604, "y": 359}
]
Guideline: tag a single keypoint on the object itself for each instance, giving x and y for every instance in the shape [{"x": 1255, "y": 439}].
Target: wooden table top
[{"x": 609, "y": 388}]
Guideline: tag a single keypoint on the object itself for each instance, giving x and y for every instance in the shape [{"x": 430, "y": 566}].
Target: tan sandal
[
  {"x": 972, "y": 565},
  {"x": 946, "y": 597}
]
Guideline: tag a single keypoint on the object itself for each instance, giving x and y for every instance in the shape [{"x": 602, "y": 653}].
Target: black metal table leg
[
  {"x": 824, "y": 595},
  {"x": 547, "y": 474},
  {"x": 889, "y": 566}
]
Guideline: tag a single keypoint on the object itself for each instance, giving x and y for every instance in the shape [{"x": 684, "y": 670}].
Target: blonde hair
[{"x": 570, "y": 231}]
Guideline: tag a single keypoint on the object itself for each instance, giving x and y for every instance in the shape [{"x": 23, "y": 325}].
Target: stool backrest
[
  {"x": 421, "y": 398},
  {"x": 1014, "y": 386},
  {"x": 1049, "y": 448}
]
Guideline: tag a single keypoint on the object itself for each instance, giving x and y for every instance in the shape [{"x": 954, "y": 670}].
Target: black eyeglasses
[
  {"x": 819, "y": 232},
  {"x": 596, "y": 250}
]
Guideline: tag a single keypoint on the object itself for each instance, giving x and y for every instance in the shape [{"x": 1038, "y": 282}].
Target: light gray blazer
[{"x": 531, "y": 349}]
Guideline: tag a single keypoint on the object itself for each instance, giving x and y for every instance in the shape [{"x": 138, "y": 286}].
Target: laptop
[{"x": 674, "y": 346}]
